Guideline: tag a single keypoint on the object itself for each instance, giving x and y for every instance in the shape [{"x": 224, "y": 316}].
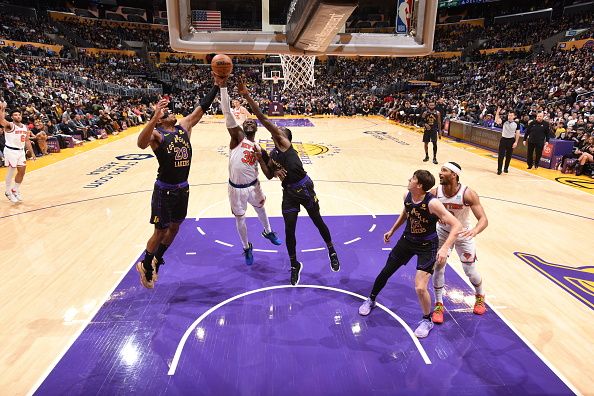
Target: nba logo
[{"x": 403, "y": 14}]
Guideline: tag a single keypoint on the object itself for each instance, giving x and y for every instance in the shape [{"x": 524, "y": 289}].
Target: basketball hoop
[
  {"x": 275, "y": 79},
  {"x": 298, "y": 70}
]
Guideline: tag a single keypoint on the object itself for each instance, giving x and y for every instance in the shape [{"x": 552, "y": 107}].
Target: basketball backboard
[{"x": 413, "y": 36}]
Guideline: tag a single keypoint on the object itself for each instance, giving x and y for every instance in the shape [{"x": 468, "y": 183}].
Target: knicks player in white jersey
[
  {"x": 244, "y": 185},
  {"x": 240, "y": 113},
  {"x": 459, "y": 200},
  {"x": 17, "y": 140}
]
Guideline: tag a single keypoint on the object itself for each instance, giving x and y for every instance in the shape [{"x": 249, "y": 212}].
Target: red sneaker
[
  {"x": 437, "y": 315},
  {"x": 479, "y": 305}
]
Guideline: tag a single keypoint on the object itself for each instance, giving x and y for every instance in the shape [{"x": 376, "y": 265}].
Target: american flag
[{"x": 206, "y": 20}]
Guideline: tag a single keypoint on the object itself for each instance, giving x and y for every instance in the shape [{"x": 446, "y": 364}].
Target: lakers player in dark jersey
[
  {"x": 170, "y": 141},
  {"x": 298, "y": 189},
  {"x": 432, "y": 121},
  {"x": 421, "y": 213}
]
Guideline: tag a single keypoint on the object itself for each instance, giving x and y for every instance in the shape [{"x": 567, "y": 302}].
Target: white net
[{"x": 298, "y": 70}]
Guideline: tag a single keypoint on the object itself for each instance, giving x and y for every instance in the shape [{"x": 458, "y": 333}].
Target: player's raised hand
[
  {"x": 221, "y": 82},
  {"x": 160, "y": 108},
  {"x": 3, "y": 105},
  {"x": 242, "y": 88}
]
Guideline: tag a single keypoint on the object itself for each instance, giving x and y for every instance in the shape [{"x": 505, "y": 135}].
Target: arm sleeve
[
  {"x": 208, "y": 98},
  {"x": 229, "y": 119}
]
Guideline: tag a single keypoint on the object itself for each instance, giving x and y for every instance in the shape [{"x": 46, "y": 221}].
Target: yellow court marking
[
  {"x": 71, "y": 152},
  {"x": 582, "y": 183},
  {"x": 542, "y": 271}
]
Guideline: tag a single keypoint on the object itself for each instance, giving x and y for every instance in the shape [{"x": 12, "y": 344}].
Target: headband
[{"x": 453, "y": 168}]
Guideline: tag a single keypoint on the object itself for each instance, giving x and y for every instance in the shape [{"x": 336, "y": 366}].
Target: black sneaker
[
  {"x": 498, "y": 172},
  {"x": 426, "y": 159},
  {"x": 334, "y": 263},
  {"x": 505, "y": 171},
  {"x": 435, "y": 161},
  {"x": 296, "y": 272}
]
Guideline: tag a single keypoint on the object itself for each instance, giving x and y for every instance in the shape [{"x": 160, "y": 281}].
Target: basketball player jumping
[
  {"x": 459, "y": 200},
  {"x": 421, "y": 213},
  {"x": 244, "y": 185},
  {"x": 17, "y": 140},
  {"x": 298, "y": 188},
  {"x": 170, "y": 142},
  {"x": 432, "y": 120}
]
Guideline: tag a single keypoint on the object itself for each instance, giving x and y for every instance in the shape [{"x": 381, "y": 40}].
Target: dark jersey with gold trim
[
  {"x": 431, "y": 118},
  {"x": 421, "y": 223},
  {"x": 174, "y": 155},
  {"x": 290, "y": 161}
]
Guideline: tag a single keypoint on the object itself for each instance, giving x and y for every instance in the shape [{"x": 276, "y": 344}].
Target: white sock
[
  {"x": 9, "y": 175},
  {"x": 242, "y": 230},
  {"x": 475, "y": 278},
  {"x": 16, "y": 187},
  {"x": 263, "y": 217},
  {"x": 439, "y": 283}
]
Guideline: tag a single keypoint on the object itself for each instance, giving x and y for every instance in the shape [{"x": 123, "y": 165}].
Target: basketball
[{"x": 221, "y": 65}]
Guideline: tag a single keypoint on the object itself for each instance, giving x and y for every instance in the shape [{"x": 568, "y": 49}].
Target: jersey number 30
[{"x": 248, "y": 157}]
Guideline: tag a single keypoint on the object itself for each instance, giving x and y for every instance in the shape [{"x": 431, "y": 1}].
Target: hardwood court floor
[{"x": 85, "y": 219}]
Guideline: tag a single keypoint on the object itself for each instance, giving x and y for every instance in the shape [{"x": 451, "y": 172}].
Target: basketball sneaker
[
  {"x": 366, "y": 307},
  {"x": 435, "y": 161},
  {"x": 249, "y": 254},
  {"x": 156, "y": 265},
  {"x": 17, "y": 195},
  {"x": 479, "y": 305},
  {"x": 426, "y": 159},
  {"x": 11, "y": 197},
  {"x": 271, "y": 236},
  {"x": 296, "y": 268},
  {"x": 334, "y": 263},
  {"x": 146, "y": 276},
  {"x": 437, "y": 315},
  {"x": 424, "y": 328}
]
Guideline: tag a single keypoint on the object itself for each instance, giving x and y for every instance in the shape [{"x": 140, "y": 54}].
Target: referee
[
  {"x": 509, "y": 139},
  {"x": 536, "y": 134}
]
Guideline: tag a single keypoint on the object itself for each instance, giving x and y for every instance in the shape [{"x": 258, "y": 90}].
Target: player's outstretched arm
[
  {"x": 3, "y": 121},
  {"x": 234, "y": 130},
  {"x": 148, "y": 135},
  {"x": 276, "y": 132},
  {"x": 189, "y": 121}
]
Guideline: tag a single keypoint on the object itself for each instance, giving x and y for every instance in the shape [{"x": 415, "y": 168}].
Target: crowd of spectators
[
  {"x": 25, "y": 29},
  {"x": 457, "y": 37},
  {"x": 56, "y": 95},
  {"x": 113, "y": 36}
]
